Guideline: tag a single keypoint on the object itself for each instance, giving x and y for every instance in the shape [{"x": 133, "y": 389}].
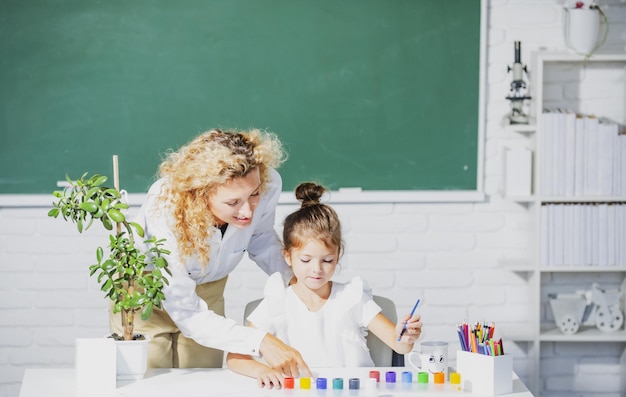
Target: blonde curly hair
[{"x": 207, "y": 162}]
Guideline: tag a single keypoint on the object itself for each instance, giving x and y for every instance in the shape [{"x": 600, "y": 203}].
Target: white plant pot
[
  {"x": 582, "y": 30},
  {"x": 132, "y": 359},
  {"x": 94, "y": 364}
]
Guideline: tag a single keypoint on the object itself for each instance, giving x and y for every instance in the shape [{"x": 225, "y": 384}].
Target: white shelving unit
[{"x": 543, "y": 331}]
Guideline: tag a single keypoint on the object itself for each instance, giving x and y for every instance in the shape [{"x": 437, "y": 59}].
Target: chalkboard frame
[{"x": 354, "y": 194}]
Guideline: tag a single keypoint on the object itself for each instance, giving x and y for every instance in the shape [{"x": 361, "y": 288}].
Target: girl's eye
[
  {"x": 232, "y": 203},
  {"x": 255, "y": 194},
  {"x": 305, "y": 260},
  {"x": 328, "y": 260}
]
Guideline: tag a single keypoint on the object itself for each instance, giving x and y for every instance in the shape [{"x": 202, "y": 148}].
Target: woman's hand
[{"x": 283, "y": 358}]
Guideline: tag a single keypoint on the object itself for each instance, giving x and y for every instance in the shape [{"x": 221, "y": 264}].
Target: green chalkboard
[{"x": 377, "y": 94}]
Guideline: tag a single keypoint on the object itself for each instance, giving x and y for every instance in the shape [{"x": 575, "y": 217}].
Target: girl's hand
[
  {"x": 413, "y": 328},
  {"x": 270, "y": 378}
]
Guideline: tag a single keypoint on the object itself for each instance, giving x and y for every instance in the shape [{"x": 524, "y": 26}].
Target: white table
[{"x": 221, "y": 382}]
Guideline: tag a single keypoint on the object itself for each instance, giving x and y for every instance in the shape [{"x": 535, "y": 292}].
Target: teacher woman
[{"x": 214, "y": 201}]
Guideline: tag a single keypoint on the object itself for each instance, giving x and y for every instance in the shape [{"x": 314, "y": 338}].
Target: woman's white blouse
[{"x": 187, "y": 310}]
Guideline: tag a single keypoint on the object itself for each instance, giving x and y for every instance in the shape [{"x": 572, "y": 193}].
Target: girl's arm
[
  {"x": 245, "y": 365},
  {"x": 386, "y": 331}
]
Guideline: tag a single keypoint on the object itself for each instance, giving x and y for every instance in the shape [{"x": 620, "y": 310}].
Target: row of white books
[
  {"x": 590, "y": 234},
  {"x": 580, "y": 156}
]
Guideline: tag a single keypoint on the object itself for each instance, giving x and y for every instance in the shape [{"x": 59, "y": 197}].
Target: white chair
[{"x": 382, "y": 355}]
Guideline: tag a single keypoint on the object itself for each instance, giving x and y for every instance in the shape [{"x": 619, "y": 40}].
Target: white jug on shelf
[{"x": 583, "y": 31}]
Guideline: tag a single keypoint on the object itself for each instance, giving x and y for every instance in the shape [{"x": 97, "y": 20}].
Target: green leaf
[
  {"x": 106, "y": 203},
  {"x": 99, "y": 180},
  {"x": 92, "y": 191},
  {"x": 112, "y": 192},
  {"x": 53, "y": 213},
  {"x": 160, "y": 263},
  {"x": 98, "y": 214},
  {"x": 106, "y": 222},
  {"x": 108, "y": 265},
  {"x": 138, "y": 228},
  {"x": 99, "y": 254},
  {"x": 107, "y": 285},
  {"x": 89, "y": 206},
  {"x": 146, "y": 312},
  {"x": 116, "y": 215}
]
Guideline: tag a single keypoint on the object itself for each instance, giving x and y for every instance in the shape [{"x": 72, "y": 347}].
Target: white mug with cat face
[{"x": 432, "y": 358}]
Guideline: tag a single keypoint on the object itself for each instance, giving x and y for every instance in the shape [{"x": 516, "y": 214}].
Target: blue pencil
[{"x": 412, "y": 313}]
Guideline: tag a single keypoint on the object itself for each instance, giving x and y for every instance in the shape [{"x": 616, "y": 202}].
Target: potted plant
[{"x": 131, "y": 277}]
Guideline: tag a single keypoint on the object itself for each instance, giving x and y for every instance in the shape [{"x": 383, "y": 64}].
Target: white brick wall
[{"x": 450, "y": 255}]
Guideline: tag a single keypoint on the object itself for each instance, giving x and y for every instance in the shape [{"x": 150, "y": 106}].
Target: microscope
[{"x": 517, "y": 94}]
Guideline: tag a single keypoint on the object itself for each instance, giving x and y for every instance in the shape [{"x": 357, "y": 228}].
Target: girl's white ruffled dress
[{"x": 334, "y": 336}]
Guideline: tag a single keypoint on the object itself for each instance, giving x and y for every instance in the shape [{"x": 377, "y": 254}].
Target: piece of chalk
[{"x": 350, "y": 190}]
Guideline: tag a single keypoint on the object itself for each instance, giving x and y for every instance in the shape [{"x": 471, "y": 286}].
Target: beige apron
[{"x": 168, "y": 347}]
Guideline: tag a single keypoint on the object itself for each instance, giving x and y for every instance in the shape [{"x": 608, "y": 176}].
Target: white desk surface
[{"x": 221, "y": 382}]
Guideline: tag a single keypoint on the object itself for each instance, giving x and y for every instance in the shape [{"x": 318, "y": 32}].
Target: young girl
[{"x": 325, "y": 321}]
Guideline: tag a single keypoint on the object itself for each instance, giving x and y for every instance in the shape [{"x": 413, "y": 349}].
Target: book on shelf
[
  {"x": 580, "y": 156},
  {"x": 583, "y": 234},
  {"x": 580, "y": 160},
  {"x": 570, "y": 153}
]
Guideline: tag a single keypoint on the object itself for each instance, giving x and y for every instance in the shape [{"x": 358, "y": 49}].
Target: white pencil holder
[{"x": 485, "y": 375}]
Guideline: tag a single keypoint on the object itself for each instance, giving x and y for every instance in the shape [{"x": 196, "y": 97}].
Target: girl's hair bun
[{"x": 309, "y": 193}]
